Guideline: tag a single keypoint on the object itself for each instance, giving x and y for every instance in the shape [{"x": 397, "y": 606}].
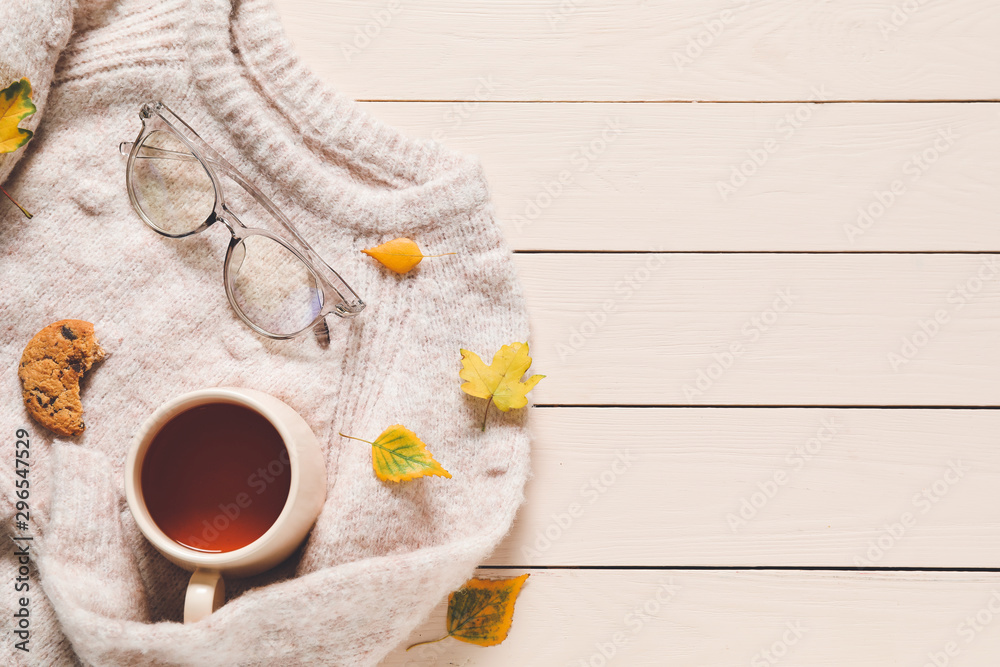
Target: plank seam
[
  {"x": 485, "y": 102},
  {"x": 717, "y": 406},
  {"x": 782, "y": 568},
  {"x": 756, "y": 252}
]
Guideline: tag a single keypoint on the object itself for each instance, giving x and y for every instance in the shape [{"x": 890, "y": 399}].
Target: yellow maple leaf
[
  {"x": 481, "y": 612},
  {"x": 398, "y": 455},
  {"x": 500, "y": 382},
  {"x": 15, "y": 106},
  {"x": 399, "y": 255}
]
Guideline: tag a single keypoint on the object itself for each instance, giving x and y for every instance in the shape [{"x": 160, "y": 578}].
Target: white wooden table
[{"x": 768, "y": 319}]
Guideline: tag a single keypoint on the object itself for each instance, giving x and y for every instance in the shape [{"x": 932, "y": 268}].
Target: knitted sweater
[{"x": 381, "y": 555}]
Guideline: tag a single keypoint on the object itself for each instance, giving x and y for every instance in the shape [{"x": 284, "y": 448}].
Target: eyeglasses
[{"x": 175, "y": 183}]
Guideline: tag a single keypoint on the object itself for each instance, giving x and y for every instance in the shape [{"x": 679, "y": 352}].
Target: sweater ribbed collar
[{"x": 312, "y": 144}]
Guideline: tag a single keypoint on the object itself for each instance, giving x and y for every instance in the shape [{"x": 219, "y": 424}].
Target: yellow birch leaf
[
  {"x": 15, "y": 106},
  {"x": 481, "y": 612},
  {"x": 399, "y": 255},
  {"x": 398, "y": 455},
  {"x": 500, "y": 382}
]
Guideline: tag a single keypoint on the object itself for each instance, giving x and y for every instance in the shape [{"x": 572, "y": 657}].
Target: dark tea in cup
[
  {"x": 224, "y": 481},
  {"x": 215, "y": 477}
]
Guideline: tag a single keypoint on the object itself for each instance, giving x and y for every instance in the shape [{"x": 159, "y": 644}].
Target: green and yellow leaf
[
  {"x": 500, "y": 382},
  {"x": 481, "y": 612},
  {"x": 398, "y": 455},
  {"x": 15, "y": 106}
]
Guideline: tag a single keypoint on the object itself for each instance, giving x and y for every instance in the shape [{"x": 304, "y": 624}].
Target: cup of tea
[{"x": 224, "y": 481}]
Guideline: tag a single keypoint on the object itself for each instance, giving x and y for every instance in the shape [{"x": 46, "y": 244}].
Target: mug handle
[{"x": 205, "y": 593}]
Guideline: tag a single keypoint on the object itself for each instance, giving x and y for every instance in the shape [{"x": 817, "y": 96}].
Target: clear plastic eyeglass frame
[{"x": 337, "y": 298}]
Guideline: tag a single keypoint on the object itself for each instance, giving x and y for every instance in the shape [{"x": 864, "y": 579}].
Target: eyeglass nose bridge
[
  {"x": 237, "y": 253},
  {"x": 235, "y": 226}
]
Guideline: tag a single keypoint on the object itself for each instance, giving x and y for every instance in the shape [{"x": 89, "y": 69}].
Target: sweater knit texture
[{"x": 381, "y": 556}]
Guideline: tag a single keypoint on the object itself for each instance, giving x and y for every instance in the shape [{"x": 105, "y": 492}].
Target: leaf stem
[
  {"x": 486, "y": 414},
  {"x": 23, "y": 210},
  {"x": 359, "y": 439},
  {"x": 412, "y": 254},
  {"x": 432, "y": 641}
]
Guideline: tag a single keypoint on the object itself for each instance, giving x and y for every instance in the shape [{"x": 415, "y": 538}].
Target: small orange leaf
[
  {"x": 398, "y": 455},
  {"x": 481, "y": 612},
  {"x": 399, "y": 255}
]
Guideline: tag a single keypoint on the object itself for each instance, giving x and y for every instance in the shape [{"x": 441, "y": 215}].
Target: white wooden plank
[
  {"x": 691, "y": 618},
  {"x": 854, "y": 177},
  {"x": 637, "y": 50},
  {"x": 759, "y": 487},
  {"x": 764, "y": 329}
]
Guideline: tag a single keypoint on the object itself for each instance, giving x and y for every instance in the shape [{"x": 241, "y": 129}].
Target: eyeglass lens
[
  {"x": 171, "y": 185},
  {"x": 272, "y": 287}
]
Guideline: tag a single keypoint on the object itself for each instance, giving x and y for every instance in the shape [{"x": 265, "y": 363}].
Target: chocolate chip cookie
[{"x": 50, "y": 372}]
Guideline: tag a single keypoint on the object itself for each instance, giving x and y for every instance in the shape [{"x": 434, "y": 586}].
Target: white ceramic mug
[{"x": 206, "y": 590}]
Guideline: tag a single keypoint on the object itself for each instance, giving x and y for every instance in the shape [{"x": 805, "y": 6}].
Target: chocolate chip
[
  {"x": 44, "y": 400},
  {"x": 68, "y": 333}
]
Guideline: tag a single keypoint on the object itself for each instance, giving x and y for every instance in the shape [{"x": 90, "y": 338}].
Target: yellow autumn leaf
[
  {"x": 500, "y": 382},
  {"x": 15, "y": 106},
  {"x": 398, "y": 455},
  {"x": 399, "y": 255},
  {"x": 481, "y": 612}
]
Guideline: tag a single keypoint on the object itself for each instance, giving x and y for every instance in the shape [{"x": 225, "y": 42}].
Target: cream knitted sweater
[{"x": 381, "y": 555}]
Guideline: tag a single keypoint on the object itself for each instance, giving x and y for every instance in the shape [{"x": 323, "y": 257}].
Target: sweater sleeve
[{"x": 33, "y": 35}]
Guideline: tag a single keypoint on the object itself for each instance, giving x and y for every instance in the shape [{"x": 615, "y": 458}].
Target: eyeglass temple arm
[{"x": 351, "y": 303}]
